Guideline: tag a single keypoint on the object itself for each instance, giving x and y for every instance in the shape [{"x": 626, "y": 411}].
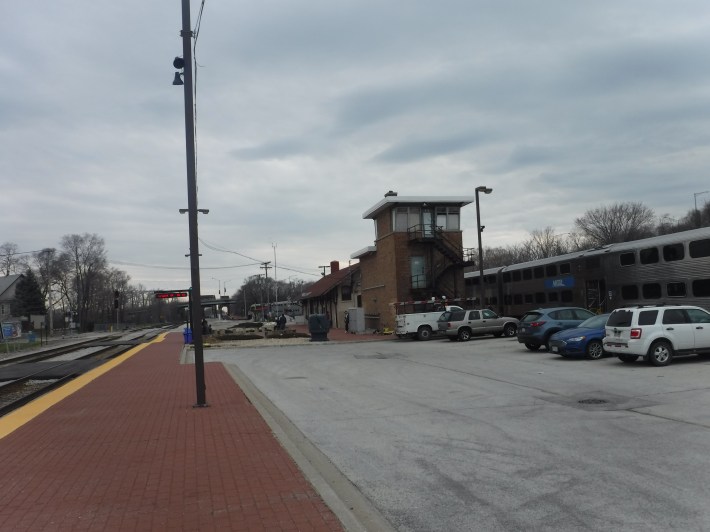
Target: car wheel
[
  {"x": 509, "y": 330},
  {"x": 464, "y": 335},
  {"x": 594, "y": 350},
  {"x": 628, "y": 359},
  {"x": 533, "y": 347},
  {"x": 424, "y": 333},
  {"x": 661, "y": 353}
]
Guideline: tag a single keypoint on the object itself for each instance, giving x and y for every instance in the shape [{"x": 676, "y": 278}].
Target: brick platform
[{"x": 125, "y": 450}]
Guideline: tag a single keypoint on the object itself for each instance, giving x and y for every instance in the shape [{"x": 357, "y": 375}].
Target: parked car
[
  {"x": 583, "y": 340},
  {"x": 657, "y": 333},
  {"x": 537, "y": 326},
  {"x": 463, "y": 324}
]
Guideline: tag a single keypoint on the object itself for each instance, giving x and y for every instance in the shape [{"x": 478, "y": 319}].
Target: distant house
[
  {"x": 418, "y": 255},
  {"x": 8, "y": 285},
  {"x": 334, "y": 294}
]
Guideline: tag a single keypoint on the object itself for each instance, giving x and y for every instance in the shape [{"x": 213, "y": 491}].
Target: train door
[{"x": 595, "y": 291}]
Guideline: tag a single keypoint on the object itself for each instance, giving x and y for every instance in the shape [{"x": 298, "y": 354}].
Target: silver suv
[
  {"x": 462, "y": 324},
  {"x": 657, "y": 333}
]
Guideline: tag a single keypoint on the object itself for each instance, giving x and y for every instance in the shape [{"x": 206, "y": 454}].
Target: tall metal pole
[
  {"x": 479, "y": 228},
  {"x": 480, "y": 252},
  {"x": 196, "y": 304}
]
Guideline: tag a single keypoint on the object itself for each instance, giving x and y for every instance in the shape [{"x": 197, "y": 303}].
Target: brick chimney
[{"x": 334, "y": 266}]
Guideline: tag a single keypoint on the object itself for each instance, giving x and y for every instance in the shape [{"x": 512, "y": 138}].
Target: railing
[{"x": 448, "y": 247}]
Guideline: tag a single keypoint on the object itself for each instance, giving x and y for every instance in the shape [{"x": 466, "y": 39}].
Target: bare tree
[
  {"x": 545, "y": 243},
  {"x": 620, "y": 222},
  {"x": 87, "y": 258},
  {"x": 9, "y": 259},
  {"x": 48, "y": 267}
]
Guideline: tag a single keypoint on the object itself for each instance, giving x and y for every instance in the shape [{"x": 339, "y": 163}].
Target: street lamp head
[{"x": 484, "y": 189}]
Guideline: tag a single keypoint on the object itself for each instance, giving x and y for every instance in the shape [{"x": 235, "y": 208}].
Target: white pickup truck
[{"x": 420, "y": 325}]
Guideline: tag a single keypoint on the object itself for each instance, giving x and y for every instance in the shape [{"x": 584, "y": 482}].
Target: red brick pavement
[{"x": 129, "y": 452}]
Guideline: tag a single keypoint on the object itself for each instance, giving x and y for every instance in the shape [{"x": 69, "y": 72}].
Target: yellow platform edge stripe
[{"x": 17, "y": 418}]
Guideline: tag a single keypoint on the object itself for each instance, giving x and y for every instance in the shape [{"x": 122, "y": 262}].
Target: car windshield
[
  {"x": 530, "y": 317},
  {"x": 595, "y": 322},
  {"x": 621, "y": 318}
]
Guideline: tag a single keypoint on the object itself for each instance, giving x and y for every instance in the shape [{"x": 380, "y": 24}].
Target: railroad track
[{"x": 26, "y": 377}]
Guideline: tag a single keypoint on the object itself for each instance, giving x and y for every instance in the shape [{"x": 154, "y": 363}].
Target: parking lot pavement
[{"x": 486, "y": 435}]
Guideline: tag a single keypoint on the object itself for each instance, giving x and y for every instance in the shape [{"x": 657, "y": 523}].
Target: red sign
[{"x": 170, "y": 295}]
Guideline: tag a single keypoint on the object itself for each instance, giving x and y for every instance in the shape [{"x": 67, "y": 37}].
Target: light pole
[
  {"x": 219, "y": 295},
  {"x": 196, "y": 304},
  {"x": 695, "y": 198},
  {"x": 479, "y": 228}
]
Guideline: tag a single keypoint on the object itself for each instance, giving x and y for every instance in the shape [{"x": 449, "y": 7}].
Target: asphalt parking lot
[{"x": 486, "y": 435}]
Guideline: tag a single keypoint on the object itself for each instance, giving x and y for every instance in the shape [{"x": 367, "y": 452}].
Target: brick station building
[{"x": 417, "y": 255}]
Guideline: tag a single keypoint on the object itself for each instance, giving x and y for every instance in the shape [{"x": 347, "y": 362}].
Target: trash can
[
  {"x": 187, "y": 335},
  {"x": 318, "y": 326}
]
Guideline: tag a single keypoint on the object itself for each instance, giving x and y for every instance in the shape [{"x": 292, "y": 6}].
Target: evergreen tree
[{"x": 28, "y": 296}]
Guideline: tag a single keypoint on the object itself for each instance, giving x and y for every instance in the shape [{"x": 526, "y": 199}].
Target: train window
[
  {"x": 539, "y": 297},
  {"x": 701, "y": 288},
  {"x": 527, "y": 274},
  {"x": 629, "y": 291},
  {"x": 565, "y": 268},
  {"x": 516, "y": 275},
  {"x": 539, "y": 272},
  {"x": 648, "y": 255},
  {"x": 627, "y": 258},
  {"x": 675, "y": 289},
  {"x": 566, "y": 296},
  {"x": 673, "y": 252},
  {"x": 651, "y": 291},
  {"x": 699, "y": 248},
  {"x": 506, "y": 277},
  {"x": 528, "y": 298},
  {"x": 552, "y": 297},
  {"x": 551, "y": 270}
]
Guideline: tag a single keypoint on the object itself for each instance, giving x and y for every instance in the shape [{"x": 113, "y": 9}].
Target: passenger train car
[{"x": 671, "y": 269}]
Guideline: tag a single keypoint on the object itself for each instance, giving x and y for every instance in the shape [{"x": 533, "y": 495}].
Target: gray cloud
[{"x": 307, "y": 113}]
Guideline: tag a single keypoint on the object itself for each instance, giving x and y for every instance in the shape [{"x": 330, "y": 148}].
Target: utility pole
[
  {"x": 276, "y": 282},
  {"x": 324, "y": 268},
  {"x": 265, "y": 266},
  {"x": 196, "y": 303}
]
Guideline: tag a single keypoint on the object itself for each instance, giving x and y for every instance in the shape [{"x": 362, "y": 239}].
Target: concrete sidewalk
[{"x": 123, "y": 448}]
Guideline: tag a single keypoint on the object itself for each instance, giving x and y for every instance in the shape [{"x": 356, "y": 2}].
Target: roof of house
[
  {"x": 389, "y": 201},
  {"x": 7, "y": 282},
  {"x": 330, "y": 281}
]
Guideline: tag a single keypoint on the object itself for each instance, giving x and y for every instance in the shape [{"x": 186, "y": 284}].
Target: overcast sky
[{"x": 309, "y": 111}]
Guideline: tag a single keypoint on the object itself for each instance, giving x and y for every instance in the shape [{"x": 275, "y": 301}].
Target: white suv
[{"x": 657, "y": 333}]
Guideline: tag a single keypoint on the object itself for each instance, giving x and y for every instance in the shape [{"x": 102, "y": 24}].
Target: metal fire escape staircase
[{"x": 454, "y": 255}]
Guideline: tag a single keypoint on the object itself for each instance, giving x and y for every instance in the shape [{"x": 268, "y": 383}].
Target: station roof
[{"x": 390, "y": 201}]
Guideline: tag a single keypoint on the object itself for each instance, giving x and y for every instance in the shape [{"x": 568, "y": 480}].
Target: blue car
[
  {"x": 537, "y": 326},
  {"x": 583, "y": 340}
]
